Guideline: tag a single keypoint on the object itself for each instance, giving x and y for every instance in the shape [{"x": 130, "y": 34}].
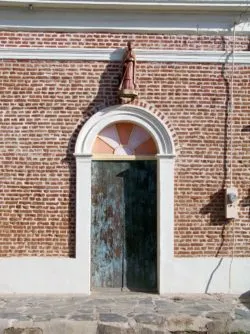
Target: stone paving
[{"x": 120, "y": 312}]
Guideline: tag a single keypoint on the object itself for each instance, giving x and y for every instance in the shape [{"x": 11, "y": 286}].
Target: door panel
[
  {"x": 107, "y": 224},
  {"x": 123, "y": 231},
  {"x": 141, "y": 226}
]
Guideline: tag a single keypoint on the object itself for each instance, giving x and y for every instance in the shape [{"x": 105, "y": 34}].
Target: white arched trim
[
  {"x": 165, "y": 184},
  {"x": 131, "y": 113}
]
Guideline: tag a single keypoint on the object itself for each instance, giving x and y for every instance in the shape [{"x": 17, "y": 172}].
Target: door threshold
[
  {"x": 124, "y": 290},
  {"x": 111, "y": 290}
]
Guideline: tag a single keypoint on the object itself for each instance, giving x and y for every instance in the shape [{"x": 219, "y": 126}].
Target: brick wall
[
  {"x": 111, "y": 40},
  {"x": 44, "y": 104}
]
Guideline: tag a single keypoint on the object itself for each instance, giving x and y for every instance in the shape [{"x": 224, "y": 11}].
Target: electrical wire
[
  {"x": 231, "y": 260},
  {"x": 231, "y": 109},
  {"x": 232, "y": 106}
]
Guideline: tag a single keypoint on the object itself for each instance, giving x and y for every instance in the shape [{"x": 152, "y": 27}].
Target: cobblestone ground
[{"x": 113, "y": 313}]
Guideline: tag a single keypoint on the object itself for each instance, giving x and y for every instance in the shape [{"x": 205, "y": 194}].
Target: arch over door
[{"x": 165, "y": 185}]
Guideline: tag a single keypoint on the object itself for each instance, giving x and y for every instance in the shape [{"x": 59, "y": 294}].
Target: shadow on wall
[
  {"x": 216, "y": 208},
  {"x": 248, "y": 47},
  {"x": 106, "y": 96},
  {"x": 245, "y": 299},
  {"x": 245, "y": 202},
  {"x": 246, "y": 128}
]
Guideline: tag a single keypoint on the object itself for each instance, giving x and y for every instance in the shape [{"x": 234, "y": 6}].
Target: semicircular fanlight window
[{"x": 124, "y": 139}]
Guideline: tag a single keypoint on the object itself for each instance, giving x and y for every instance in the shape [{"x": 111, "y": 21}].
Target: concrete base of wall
[{"x": 36, "y": 275}]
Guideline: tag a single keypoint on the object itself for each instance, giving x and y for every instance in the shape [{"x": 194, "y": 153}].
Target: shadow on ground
[{"x": 245, "y": 299}]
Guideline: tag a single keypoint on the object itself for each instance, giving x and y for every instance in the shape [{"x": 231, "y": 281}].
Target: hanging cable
[
  {"x": 231, "y": 260},
  {"x": 232, "y": 108}
]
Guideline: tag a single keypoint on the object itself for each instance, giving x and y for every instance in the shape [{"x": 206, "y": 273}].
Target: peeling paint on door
[{"x": 124, "y": 224}]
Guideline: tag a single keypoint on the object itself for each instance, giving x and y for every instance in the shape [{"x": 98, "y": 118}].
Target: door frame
[{"x": 165, "y": 185}]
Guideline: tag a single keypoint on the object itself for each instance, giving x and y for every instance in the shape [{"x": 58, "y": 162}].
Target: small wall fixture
[{"x": 231, "y": 203}]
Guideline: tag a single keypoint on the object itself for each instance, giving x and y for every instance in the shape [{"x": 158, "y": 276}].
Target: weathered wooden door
[{"x": 123, "y": 232}]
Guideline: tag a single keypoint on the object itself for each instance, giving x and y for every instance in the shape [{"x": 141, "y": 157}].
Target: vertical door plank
[
  {"x": 141, "y": 226},
  {"x": 107, "y": 223}
]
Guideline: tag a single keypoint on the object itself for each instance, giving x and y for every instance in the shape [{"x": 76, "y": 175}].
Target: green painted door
[{"x": 123, "y": 231}]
